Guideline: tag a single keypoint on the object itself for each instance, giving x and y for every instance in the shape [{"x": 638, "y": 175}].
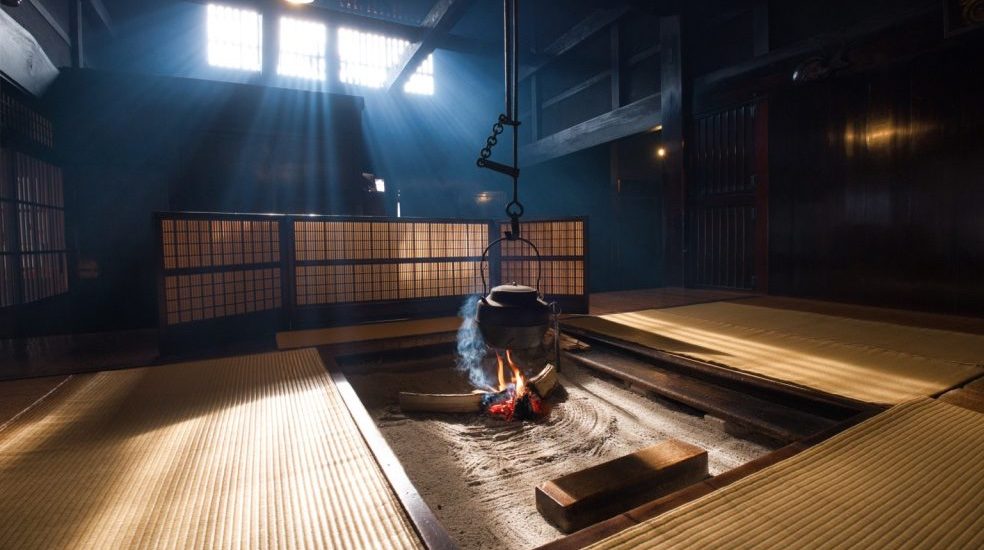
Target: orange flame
[{"x": 516, "y": 376}]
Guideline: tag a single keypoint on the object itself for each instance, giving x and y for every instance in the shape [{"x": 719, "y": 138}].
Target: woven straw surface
[
  {"x": 869, "y": 361},
  {"x": 907, "y": 478},
  {"x": 248, "y": 452}
]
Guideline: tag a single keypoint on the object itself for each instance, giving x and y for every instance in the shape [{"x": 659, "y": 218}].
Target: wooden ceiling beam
[
  {"x": 102, "y": 14},
  {"x": 439, "y": 21},
  {"x": 597, "y": 21}
]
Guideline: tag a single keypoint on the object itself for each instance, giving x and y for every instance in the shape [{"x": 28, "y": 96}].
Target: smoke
[{"x": 471, "y": 347}]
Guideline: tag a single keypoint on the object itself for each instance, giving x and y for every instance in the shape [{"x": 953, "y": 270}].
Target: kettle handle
[{"x": 485, "y": 253}]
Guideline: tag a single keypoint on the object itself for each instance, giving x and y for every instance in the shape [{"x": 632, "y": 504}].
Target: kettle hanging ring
[
  {"x": 485, "y": 253},
  {"x": 515, "y": 210}
]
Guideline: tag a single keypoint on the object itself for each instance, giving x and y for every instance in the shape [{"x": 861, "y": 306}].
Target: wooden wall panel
[{"x": 876, "y": 192}]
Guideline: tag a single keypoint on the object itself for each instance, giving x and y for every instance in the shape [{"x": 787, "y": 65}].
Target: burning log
[{"x": 477, "y": 401}]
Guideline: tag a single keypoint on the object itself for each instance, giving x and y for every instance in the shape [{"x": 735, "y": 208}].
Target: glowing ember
[{"x": 514, "y": 400}]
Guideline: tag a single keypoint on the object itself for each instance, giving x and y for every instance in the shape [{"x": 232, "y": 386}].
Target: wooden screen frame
[
  {"x": 569, "y": 303},
  {"x": 211, "y": 330}
]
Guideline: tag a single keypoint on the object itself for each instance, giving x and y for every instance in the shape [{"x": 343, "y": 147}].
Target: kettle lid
[{"x": 514, "y": 294}]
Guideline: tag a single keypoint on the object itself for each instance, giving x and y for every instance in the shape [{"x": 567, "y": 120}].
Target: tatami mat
[
  {"x": 865, "y": 360},
  {"x": 248, "y": 452},
  {"x": 908, "y": 478}
]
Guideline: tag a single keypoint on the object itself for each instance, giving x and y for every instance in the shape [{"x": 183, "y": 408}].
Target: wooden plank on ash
[
  {"x": 770, "y": 419},
  {"x": 582, "y": 498}
]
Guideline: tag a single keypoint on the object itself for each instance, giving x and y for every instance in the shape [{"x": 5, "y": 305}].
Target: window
[
  {"x": 365, "y": 59},
  {"x": 422, "y": 80},
  {"x": 235, "y": 38},
  {"x": 33, "y": 250},
  {"x": 302, "y": 49}
]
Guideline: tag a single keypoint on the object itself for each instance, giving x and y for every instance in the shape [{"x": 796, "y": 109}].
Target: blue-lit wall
[{"x": 426, "y": 146}]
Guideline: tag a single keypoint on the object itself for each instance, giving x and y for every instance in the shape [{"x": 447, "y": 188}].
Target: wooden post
[
  {"x": 75, "y": 34},
  {"x": 673, "y": 114}
]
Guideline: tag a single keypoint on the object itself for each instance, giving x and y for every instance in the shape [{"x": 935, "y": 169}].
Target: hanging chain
[{"x": 491, "y": 142}]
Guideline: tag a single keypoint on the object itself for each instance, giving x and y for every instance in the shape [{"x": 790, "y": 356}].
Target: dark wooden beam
[
  {"x": 594, "y": 23},
  {"x": 642, "y": 56},
  {"x": 577, "y": 88},
  {"x": 473, "y": 46},
  {"x": 597, "y": 21},
  {"x": 641, "y": 116},
  {"x": 616, "y": 56},
  {"x": 51, "y": 20},
  {"x": 102, "y": 14},
  {"x": 75, "y": 32},
  {"x": 22, "y": 59},
  {"x": 760, "y": 23},
  {"x": 782, "y": 58},
  {"x": 439, "y": 21},
  {"x": 673, "y": 114}
]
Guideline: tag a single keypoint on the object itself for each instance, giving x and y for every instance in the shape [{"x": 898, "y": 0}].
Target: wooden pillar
[
  {"x": 760, "y": 23},
  {"x": 673, "y": 112},
  {"x": 75, "y": 35},
  {"x": 270, "y": 44},
  {"x": 616, "y": 51}
]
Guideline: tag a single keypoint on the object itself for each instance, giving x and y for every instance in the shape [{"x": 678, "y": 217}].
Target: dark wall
[
  {"x": 135, "y": 144},
  {"x": 426, "y": 148},
  {"x": 877, "y": 192}
]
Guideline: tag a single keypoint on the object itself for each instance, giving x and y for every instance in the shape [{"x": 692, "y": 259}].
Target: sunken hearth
[{"x": 478, "y": 472}]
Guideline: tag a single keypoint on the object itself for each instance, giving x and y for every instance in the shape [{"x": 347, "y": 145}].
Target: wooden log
[
  {"x": 441, "y": 402},
  {"x": 544, "y": 382},
  {"x": 567, "y": 342},
  {"x": 594, "y": 494}
]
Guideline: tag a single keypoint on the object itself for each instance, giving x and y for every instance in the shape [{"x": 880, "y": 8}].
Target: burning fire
[{"x": 514, "y": 400}]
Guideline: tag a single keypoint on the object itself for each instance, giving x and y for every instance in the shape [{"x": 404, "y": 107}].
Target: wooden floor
[
  {"x": 76, "y": 353},
  {"x": 603, "y": 303}
]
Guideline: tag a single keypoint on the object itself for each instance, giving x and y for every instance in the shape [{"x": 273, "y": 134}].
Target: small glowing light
[
  {"x": 380, "y": 185},
  {"x": 657, "y": 128},
  {"x": 300, "y": 1},
  {"x": 661, "y": 152}
]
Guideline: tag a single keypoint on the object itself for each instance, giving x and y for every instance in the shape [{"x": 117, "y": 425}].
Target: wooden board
[
  {"x": 772, "y": 420},
  {"x": 582, "y": 498},
  {"x": 966, "y": 398},
  {"x": 360, "y": 333}
]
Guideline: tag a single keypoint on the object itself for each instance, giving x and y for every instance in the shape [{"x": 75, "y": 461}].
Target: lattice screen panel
[
  {"x": 19, "y": 119},
  {"x": 196, "y": 243},
  {"x": 44, "y": 275},
  {"x": 202, "y": 296},
  {"x": 552, "y": 238},
  {"x": 341, "y": 283},
  {"x": 350, "y": 261},
  {"x": 8, "y": 277},
  {"x": 562, "y": 247},
  {"x": 33, "y": 249},
  {"x": 364, "y": 240},
  {"x": 559, "y": 277}
]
